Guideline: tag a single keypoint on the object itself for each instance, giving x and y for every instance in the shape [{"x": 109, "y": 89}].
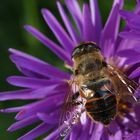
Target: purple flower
[
  {"x": 134, "y": 136},
  {"x": 47, "y": 85}
]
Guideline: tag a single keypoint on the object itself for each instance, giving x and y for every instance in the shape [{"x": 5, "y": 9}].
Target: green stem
[{"x": 31, "y": 14}]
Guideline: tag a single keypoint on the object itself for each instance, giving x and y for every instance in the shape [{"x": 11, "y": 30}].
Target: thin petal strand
[
  {"x": 29, "y": 94},
  {"x": 49, "y": 119},
  {"x": 30, "y": 82},
  {"x": 68, "y": 24},
  {"x": 36, "y": 132},
  {"x": 110, "y": 31},
  {"x": 57, "y": 29},
  {"x": 50, "y": 44},
  {"x": 33, "y": 64},
  {"x": 88, "y": 29},
  {"x": 76, "y": 13},
  {"x": 47, "y": 105},
  {"x": 97, "y": 132},
  {"x": 96, "y": 18},
  {"x": 23, "y": 123}
]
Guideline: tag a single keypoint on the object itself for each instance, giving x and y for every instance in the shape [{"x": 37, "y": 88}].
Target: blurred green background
[{"x": 14, "y": 15}]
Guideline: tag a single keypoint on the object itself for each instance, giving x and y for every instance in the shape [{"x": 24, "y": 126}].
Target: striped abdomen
[{"x": 102, "y": 109}]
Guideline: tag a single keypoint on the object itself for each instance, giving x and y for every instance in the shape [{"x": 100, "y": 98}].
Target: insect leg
[
  {"x": 75, "y": 96},
  {"x": 75, "y": 100},
  {"x": 75, "y": 118}
]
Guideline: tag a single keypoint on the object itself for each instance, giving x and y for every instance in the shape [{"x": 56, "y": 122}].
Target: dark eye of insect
[
  {"x": 84, "y": 48},
  {"x": 76, "y": 52},
  {"x": 76, "y": 72},
  {"x": 104, "y": 64}
]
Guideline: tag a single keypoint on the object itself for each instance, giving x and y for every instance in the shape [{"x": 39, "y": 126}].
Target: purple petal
[
  {"x": 29, "y": 73},
  {"x": 77, "y": 129},
  {"x": 57, "y": 29},
  {"x": 33, "y": 64},
  {"x": 105, "y": 135},
  {"x": 138, "y": 1},
  {"x": 117, "y": 136},
  {"x": 134, "y": 24},
  {"x": 30, "y": 82},
  {"x": 28, "y": 94},
  {"x": 47, "y": 105},
  {"x": 68, "y": 24},
  {"x": 23, "y": 123},
  {"x": 76, "y": 13},
  {"x": 12, "y": 109},
  {"x": 36, "y": 132},
  {"x": 91, "y": 127},
  {"x": 85, "y": 131},
  {"x": 129, "y": 41},
  {"x": 135, "y": 73},
  {"x": 113, "y": 127},
  {"x": 137, "y": 112},
  {"x": 88, "y": 29},
  {"x": 133, "y": 136},
  {"x": 132, "y": 60},
  {"x": 67, "y": 137},
  {"x": 127, "y": 15},
  {"x": 53, "y": 136},
  {"x": 10, "y": 95},
  {"x": 56, "y": 134},
  {"x": 96, "y": 18},
  {"x": 137, "y": 48},
  {"x": 128, "y": 53},
  {"x": 131, "y": 35},
  {"x": 97, "y": 132},
  {"x": 137, "y": 8},
  {"x": 111, "y": 29},
  {"x": 132, "y": 20},
  {"x": 50, "y": 44},
  {"x": 48, "y": 118}
]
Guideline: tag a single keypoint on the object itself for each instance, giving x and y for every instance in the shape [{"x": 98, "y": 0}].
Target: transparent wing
[
  {"x": 67, "y": 106},
  {"x": 124, "y": 87}
]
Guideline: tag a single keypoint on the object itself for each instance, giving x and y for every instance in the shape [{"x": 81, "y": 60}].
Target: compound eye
[
  {"x": 76, "y": 72},
  {"x": 76, "y": 52},
  {"x": 75, "y": 95},
  {"x": 84, "y": 88},
  {"x": 104, "y": 64}
]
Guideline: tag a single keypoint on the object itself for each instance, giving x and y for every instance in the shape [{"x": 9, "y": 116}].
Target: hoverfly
[{"x": 101, "y": 86}]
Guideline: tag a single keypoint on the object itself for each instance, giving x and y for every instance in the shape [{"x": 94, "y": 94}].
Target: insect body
[
  {"x": 99, "y": 83},
  {"x": 89, "y": 67},
  {"x": 104, "y": 91},
  {"x": 102, "y": 106}
]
